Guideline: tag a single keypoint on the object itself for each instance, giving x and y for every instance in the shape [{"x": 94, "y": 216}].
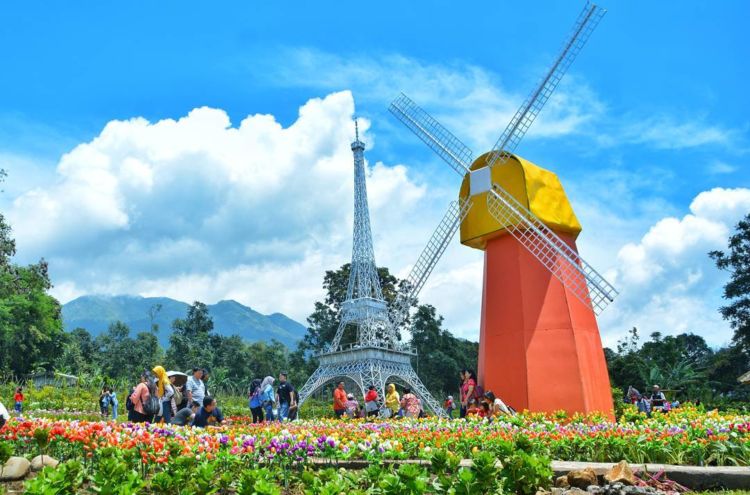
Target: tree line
[{"x": 32, "y": 338}]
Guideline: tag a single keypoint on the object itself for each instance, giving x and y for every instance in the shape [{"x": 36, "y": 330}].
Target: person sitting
[
  {"x": 472, "y": 409},
  {"x": 185, "y": 415},
  {"x": 657, "y": 399},
  {"x": 497, "y": 406},
  {"x": 208, "y": 415},
  {"x": 635, "y": 397},
  {"x": 352, "y": 406}
]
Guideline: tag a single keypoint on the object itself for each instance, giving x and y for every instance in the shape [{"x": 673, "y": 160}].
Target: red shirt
[
  {"x": 18, "y": 397},
  {"x": 465, "y": 389},
  {"x": 339, "y": 399},
  {"x": 371, "y": 396}
]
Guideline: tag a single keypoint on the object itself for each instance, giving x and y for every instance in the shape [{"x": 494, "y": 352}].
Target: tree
[
  {"x": 737, "y": 290},
  {"x": 31, "y": 333},
  {"x": 440, "y": 355},
  {"x": 190, "y": 342},
  {"x": 324, "y": 321}
]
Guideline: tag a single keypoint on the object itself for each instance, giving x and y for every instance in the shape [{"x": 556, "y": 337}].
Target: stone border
[{"x": 693, "y": 477}]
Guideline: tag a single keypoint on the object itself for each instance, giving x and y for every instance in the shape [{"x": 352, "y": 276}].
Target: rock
[
  {"x": 582, "y": 478},
  {"x": 15, "y": 469},
  {"x": 37, "y": 464},
  {"x": 562, "y": 482},
  {"x": 620, "y": 473}
]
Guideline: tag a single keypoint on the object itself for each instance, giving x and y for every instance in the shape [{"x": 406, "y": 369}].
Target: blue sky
[{"x": 652, "y": 114}]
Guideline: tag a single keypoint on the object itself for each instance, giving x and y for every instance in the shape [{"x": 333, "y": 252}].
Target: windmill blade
[
  {"x": 428, "y": 259},
  {"x": 525, "y": 116},
  {"x": 566, "y": 265},
  {"x": 438, "y": 138}
]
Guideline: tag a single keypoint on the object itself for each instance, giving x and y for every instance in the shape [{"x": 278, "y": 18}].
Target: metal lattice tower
[{"x": 376, "y": 357}]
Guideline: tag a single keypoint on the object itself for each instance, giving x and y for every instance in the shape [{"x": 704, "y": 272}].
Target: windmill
[
  {"x": 376, "y": 356},
  {"x": 540, "y": 347}
]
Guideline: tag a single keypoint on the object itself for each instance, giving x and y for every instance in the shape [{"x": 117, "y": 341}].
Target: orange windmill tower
[{"x": 539, "y": 346}]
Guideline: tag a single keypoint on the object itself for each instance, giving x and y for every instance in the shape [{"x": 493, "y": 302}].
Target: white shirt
[
  {"x": 4, "y": 412},
  {"x": 197, "y": 388}
]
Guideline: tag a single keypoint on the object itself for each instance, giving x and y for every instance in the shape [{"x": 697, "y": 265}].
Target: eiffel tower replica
[{"x": 376, "y": 357}]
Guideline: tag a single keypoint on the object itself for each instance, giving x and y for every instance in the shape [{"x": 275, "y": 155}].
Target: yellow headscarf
[{"x": 161, "y": 379}]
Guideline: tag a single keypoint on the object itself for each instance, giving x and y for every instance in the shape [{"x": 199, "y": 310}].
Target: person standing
[
  {"x": 104, "y": 401},
  {"x": 165, "y": 392},
  {"x": 468, "y": 384},
  {"x": 256, "y": 406},
  {"x": 371, "y": 401},
  {"x": 18, "y": 399},
  {"x": 284, "y": 397},
  {"x": 392, "y": 400},
  {"x": 113, "y": 401},
  {"x": 339, "y": 400},
  {"x": 410, "y": 404},
  {"x": 196, "y": 389},
  {"x": 267, "y": 397},
  {"x": 139, "y": 397},
  {"x": 449, "y": 406}
]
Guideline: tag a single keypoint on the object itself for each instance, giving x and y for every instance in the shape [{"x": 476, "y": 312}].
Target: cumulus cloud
[
  {"x": 196, "y": 208},
  {"x": 667, "y": 281}
]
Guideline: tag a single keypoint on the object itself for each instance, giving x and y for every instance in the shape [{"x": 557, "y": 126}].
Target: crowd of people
[{"x": 158, "y": 398}]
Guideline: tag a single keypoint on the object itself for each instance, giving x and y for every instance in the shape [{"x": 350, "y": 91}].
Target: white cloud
[
  {"x": 198, "y": 209},
  {"x": 664, "y": 132},
  {"x": 667, "y": 281},
  {"x": 471, "y": 101}
]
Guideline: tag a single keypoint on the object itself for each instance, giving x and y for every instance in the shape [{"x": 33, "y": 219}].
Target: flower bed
[{"x": 683, "y": 437}]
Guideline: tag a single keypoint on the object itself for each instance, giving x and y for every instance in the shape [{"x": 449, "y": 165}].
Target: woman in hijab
[
  {"x": 267, "y": 397},
  {"x": 165, "y": 392},
  {"x": 392, "y": 400}
]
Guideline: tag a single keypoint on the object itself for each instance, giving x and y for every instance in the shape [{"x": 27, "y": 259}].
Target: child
[
  {"x": 104, "y": 402},
  {"x": 472, "y": 410},
  {"x": 113, "y": 401},
  {"x": 484, "y": 411},
  {"x": 449, "y": 406},
  {"x": 18, "y": 399}
]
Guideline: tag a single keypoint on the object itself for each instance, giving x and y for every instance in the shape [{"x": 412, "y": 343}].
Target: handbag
[{"x": 371, "y": 406}]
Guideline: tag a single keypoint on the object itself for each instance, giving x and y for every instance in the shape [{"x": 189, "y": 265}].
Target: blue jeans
[
  {"x": 18, "y": 407},
  {"x": 269, "y": 412},
  {"x": 166, "y": 410},
  {"x": 283, "y": 411}
]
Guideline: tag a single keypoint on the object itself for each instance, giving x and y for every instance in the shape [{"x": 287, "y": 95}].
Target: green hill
[{"x": 95, "y": 313}]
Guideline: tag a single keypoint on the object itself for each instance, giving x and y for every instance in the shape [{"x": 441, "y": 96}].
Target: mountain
[{"x": 95, "y": 313}]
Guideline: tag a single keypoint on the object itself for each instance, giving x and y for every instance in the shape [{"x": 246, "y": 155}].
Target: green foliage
[
  {"x": 6, "y": 452},
  {"x": 525, "y": 473},
  {"x": 682, "y": 364},
  {"x": 30, "y": 325},
  {"x": 66, "y": 478},
  {"x": 440, "y": 355},
  {"x": 737, "y": 290},
  {"x": 114, "y": 477}
]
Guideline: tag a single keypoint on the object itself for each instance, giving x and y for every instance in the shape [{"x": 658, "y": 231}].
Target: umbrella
[{"x": 180, "y": 377}]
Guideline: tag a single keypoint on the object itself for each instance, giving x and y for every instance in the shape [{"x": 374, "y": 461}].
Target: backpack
[
  {"x": 478, "y": 392},
  {"x": 151, "y": 405},
  {"x": 129, "y": 406}
]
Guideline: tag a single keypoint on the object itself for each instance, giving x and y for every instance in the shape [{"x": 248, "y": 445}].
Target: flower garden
[{"x": 241, "y": 457}]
